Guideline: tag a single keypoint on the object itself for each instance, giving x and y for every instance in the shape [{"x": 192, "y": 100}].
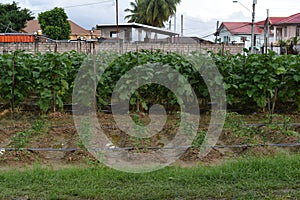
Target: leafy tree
[
  {"x": 152, "y": 12},
  {"x": 13, "y": 18},
  {"x": 55, "y": 24}
]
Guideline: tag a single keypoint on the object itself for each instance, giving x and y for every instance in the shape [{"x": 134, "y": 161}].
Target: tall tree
[
  {"x": 13, "y": 18},
  {"x": 152, "y": 12},
  {"x": 137, "y": 12},
  {"x": 54, "y": 23}
]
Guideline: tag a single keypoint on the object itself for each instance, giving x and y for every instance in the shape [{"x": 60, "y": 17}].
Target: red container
[{"x": 16, "y": 38}]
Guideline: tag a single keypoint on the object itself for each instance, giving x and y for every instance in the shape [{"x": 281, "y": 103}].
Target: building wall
[
  {"x": 224, "y": 33},
  {"x": 288, "y": 32},
  {"x": 106, "y": 32},
  {"x": 83, "y": 36},
  {"x": 280, "y": 35},
  {"x": 237, "y": 38},
  {"x": 291, "y": 31},
  {"x": 116, "y": 47}
]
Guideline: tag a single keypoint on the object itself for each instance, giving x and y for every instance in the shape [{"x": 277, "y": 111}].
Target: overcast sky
[{"x": 200, "y": 16}]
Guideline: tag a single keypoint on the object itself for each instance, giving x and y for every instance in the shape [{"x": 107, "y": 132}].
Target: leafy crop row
[
  {"x": 49, "y": 76},
  {"x": 259, "y": 81}
]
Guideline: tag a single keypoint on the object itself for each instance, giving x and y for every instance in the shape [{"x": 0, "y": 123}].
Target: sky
[{"x": 199, "y": 16}]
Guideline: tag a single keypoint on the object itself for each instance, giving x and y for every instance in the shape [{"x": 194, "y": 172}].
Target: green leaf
[
  {"x": 144, "y": 105},
  {"x": 280, "y": 70},
  {"x": 296, "y": 78},
  {"x": 250, "y": 93}
]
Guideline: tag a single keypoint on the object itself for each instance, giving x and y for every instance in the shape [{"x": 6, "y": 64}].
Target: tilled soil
[{"x": 58, "y": 132}]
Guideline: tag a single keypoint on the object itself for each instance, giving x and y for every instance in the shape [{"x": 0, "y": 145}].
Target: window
[
  {"x": 113, "y": 34},
  {"x": 285, "y": 32},
  {"x": 226, "y": 39},
  {"x": 298, "y": 31},
  {"x": 243, "y": 39}
]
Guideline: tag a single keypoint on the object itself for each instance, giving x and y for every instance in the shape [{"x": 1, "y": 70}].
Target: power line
[
  {"x": 86, "y": 4},
  {"x": 212, "y": 34}
]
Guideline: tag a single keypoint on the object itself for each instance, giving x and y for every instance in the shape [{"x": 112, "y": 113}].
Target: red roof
[
  {"x": 293, "y": 19},
  {"x": 275, "y": 20},
  {"x": 240, "y": 28},
  {"x": 260, "y": 23}
]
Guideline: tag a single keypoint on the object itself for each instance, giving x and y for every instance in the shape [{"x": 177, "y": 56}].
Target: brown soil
[{"x": 59, "y": 132}]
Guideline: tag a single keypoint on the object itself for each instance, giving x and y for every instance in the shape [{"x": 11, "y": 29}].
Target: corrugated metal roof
[
  {"x": 274, "y": 20},
  {"x": 293, "y": 19},
  {"x": 240, "y": 28}
]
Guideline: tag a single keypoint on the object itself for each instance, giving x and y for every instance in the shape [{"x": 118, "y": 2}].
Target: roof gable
[
  {"x": 293, "y": 19},
  {"x": 240, "y": 28},
  {"x": 77, "y": 30},
  {"x": 274, "y": 20},
  {"x": 33, "y": 26}
]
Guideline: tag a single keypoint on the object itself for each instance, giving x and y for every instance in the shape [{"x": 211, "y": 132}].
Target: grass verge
[{"x": 275, "y": 177}]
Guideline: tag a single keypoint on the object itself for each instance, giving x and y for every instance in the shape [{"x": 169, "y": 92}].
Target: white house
[
  {"x": 135, "y": 32},
  {"x": 240, "y": 32}
]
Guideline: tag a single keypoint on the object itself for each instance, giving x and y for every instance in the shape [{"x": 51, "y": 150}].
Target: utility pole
[
  {"x": 217, "y": 34},
  {"x": 253, "y": 26},
  {"x": 253, "y": 23},
  {"x": 117, "y": 19},
  {"x": 267, "y": 32},
  {"x": 181, "y": 25}
]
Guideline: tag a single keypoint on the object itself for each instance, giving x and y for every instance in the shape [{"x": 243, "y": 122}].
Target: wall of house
[
  {"x": 105, "y": 32},
  {"x": 280, "y": 35},
  {"x": 291, "y": 31},
  {"x": 224, "y": 33},
  {"x": 124, "y": 33},
  {"x": 237, "y": 38},
  {"x": 287, "y": 32},
  {"x": 117, "y": 47}
]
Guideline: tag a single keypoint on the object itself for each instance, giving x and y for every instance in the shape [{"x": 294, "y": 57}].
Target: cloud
[{"x": 199, "y": 17}]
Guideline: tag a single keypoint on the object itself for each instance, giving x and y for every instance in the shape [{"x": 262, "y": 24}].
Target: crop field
[{"x": 44, "y": 156}]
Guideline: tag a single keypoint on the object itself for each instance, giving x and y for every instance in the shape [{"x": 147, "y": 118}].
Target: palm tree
[
  {"x": 159, "y": 11},
  {"x": 137, "y": 12},
  {"x": 152, "y": 12}
]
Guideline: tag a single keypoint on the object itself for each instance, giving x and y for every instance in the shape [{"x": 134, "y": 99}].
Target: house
[
  {"x": 280, "y": 28},
  {"x": 77, "y": 32},
  {"x": 286, "y": 28},
  {"x": 240, "y": 32},
  {"x": 135, "y": 32}
]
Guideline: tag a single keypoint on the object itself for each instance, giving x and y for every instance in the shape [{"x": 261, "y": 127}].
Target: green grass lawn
[{"x": 246, "y": 178}]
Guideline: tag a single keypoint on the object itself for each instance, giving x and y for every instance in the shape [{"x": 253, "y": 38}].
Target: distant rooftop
[
  {"x": 293, "y": 19},
  {"x": 240, "y": 27},
  {"x": 137, "y": 25},
  {"x": 33, "y": 26}
]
